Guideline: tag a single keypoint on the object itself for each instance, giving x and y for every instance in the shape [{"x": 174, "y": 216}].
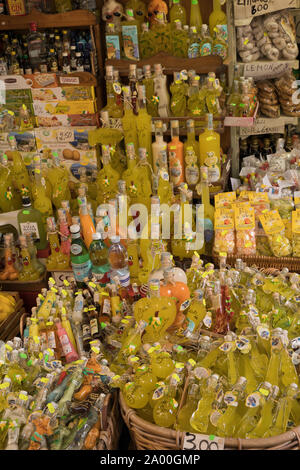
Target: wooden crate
[{"x": 10, "y": 327}]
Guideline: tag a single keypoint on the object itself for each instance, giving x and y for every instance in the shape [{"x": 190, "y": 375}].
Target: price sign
[
  {"x": 69, "y": 80},
  {"x": 266, "y": 70},
  {"x": 263, "y": 126},
  {"x": 245, "y": 10},
  {"x": 202, "y": 442},
  {"x": 65, "y": 135}
]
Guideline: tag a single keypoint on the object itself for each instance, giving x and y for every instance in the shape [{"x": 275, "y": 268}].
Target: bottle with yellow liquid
[
  {"x": 283, "y": 411},
  {"x": 112, "y": 107},
  {"x": 227, "y": 423},
  {"x": 107, "y": 179},
  {"x": 161, "y": 362},
  {"x": 254, "y": 403},
  {"x": 59, "y": 178},
  {"x": 28, "y": 272},
  {"x": 19, "y": 171},
  {"x": 200, "y": 418},
  {"x": 42, "y": 203},
  {"x": 177, "y": 12},
  {"x": 165, "y": 411},
  {"x": 131, "y": 188},
  {"x": 143, "y": 123},
  {"x": 196, "y": 312},
  {"x": 142, "y": 179},
  {"x": 209, "y": 145},
  {"x": 57, "y": 260},
  {"x": 184, "y": 415},
  {"x": 43, "y": 171},
  {"x": 194, "y": 272},
  {"x": 217, "y": 17},
  {"x": 274, "y": 366},
  {"x": 129, "y": 122},
  {"x": 181, "y": 247},
  {"x": 131, "y": 344},
  {"x": 148, "y": 82},
  {"x": 266, "y": 417},
  {"x": 195, "y": 15},
  {"x": 10, "y": 199},
  {"x": 135, "y": 396}
]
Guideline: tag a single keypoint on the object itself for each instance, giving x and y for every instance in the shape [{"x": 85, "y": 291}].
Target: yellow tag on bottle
[{"x": 51, "y": 408}]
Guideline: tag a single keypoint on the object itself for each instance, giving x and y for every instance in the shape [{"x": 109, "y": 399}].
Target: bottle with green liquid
[{"x": 177, "y": 12}]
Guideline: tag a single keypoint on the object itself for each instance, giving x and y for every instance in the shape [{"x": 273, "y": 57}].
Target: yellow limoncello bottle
[
  {"x": 283, "y": 411},
  {"x": 107, "y": 179},
  {"x": 209, "y": 145},
  {"x": 229, "y": 348},
  {"x": 181, "y": 246},
  {"x": 209, "y": 211},
  {"x": 267, "y": 413},
  {"x": 42, "y": 202},
  {"x": 184, "y": 415},
  {"x": 57, "y": 260},
  {"x": 217, "y": 17},
  {"x": 161, "y": 362},
  {"x": 177, "y": 12},
  {"x": 254, "y": 402},
  {"x": 112, "y": 107},
  {"x": 59, "y": 178},
  {"x": 135, "y": 396},
  {"x": 129, "y": 122},
  {"x": 196, "y": 312},
  {"x": 38, "y": 165},
  {"x": 148, "y": 82},
  {"x": 194, "y": 272},
  {"x": 28, "y": 272},
  {"x": 288, "y": 371},
  {"x": 199, "y": 420},
  {"x": 145, "y": 378},
  {"x": 228, "y": 422},
  {"x": 19, "y": 172},
  {"x": 195, "y": 15},
  {"x": 274, "y": 366},
  {"x": 165, "y": 411},
  {"x": 127, "y": 175},
  {"x": 143, "y": 123},
  {"x": 10, "y": 199},
  {"x": 142, "y": 177}
]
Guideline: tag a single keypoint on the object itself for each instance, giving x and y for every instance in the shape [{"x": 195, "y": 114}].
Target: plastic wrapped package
[
  {"x": 284, "y": 204},
  {"x": 275, "y": 231},
  {"x": 224, "y": 231},
  {"x": 296, "y": 232},
  {"x": 245, "y": 229},
  {"x": 225, "y": 200}
]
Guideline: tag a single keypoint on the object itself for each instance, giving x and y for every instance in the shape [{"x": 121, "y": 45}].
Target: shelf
[
  {"x": 241, "y": 121},
  {"x": 202, "y": 65},
  {"x": 265, "y": 125},
  {"x": 71, "y": 19}
]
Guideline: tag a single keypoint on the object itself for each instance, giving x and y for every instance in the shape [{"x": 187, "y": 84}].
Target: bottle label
[
  {"x": 207, "y": 321},
  {"x": 76, "y": 249},
  {"x": 192, "y": 175},
  {"x": 43, "y": 68},
  {"x": 80, "y": 68},
  {"x": 51, "y": 340},
  {"x": 205, "y": 49},
  {"x": 106, "y": 310},
  {"x": 214, "y": 417},
  {"x": 130, "y": 42},
  {"x": 94, "y": 326},
  {"x": 194, "y": 50},
  {"x": 67, "y": 69},
  {"x": 220, "y": 50},
  {"x": 230, "y": 399},
  {"x": 66, "y": 345},
  {"x": 30, "y": 228},
  {"x": 81, "y": 271},
  {"x": 34, "y": 48},
  {"x": 113, "y": 47},
  {"x": 86, "y": 331},
  {"x": 253, "y": 400}
]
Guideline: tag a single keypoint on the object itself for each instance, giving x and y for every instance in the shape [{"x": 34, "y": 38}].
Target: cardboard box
[
  {"x": 67, "y": 151},
  {"x": 73, "y": 120},
  {"x": 68, "y": 93},
  {"x": 25, "y": 141},
  {"x": 52, "y": 108},
  {"x": 74, "y": 169},
  {"x": 15, "y": 82}
]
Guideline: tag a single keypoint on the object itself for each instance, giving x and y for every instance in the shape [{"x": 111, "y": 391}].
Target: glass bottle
[
  {"x": 99, "y": 256},
  {"x": 177, "y": 12},
  {"x": 28, "y": 272},
  {"x": 80, "y": 260},
  {"x": 176, "y": 159},
  {"x": 30, "y": 221},
  {"x": 195, "y": 15},
  {"x": 36, "y": 48}
]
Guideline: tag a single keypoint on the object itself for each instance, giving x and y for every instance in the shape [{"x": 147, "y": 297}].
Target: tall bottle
[
  {"x": 143, "y": 123},
  {"x": 159, "y": 148},
  {"x": 42, "y": 203},
  {"x": 57, "y": 260},
  {"x": 107, "y": 179},
  {"x": 177, "y": 12},
  {"x": 118, "y": 260},
  {"x": 28, "y": 272},
  {"x": 129, "y": 123},
  {"x": 86, "y": 223},
  {"x": 161, "y": 90},
  {"x": 80, "y": 260},
  {"x": 200, "y": 418},
  {"x": 99, "y": 256},
  {"x": 112, "y": 107},
  {"x": 209, "y": 211},
  {"x": 217, "y": 17},
  {"x": 228, "y": 422},
  {"x": 195, "y": 15},
  {"x": 176, "y": 159},
  {"x": 10, "y": 199},
  {"x": 148, "y": 82},
  {"x": 209, "y": 145},
  {"x": 30, "y": 221},
  {"x": 19, "y": 172}
]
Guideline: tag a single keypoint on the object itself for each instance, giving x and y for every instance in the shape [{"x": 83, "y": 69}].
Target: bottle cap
[
  {"x": 78, "y": 54},
  {"x": 75, "y": 228},
  {"x": 174, "y": 124},
  {"x": 26, "y": 202},
  {"x": 97, "y": 236}
]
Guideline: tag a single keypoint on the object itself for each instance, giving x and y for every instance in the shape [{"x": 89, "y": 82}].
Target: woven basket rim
[{"x": 132, "y": 419}]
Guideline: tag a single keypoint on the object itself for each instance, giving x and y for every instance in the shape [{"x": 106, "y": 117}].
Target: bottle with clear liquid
[
  {"x": 80, "y": 260},
  {"x": 176, "y": 158},
  {"x": 143, "y": 124},
  {"x": 161, "y": 90},
  {"x": 228, "y": 421},
  {"x": 99, "y": 256}
]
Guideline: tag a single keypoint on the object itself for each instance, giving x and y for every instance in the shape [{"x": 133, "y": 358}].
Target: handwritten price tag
[
  {"x": 202, "y": 442},
  {"x": 65, "y": 135}
]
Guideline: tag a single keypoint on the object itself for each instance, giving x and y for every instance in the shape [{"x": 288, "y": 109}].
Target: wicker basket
[
  {"x": 112, "y": 427},
  {"x": 293, "y": 264},
  {"x": 148, "y": 436},
  {"x": 9, "y": 328}
]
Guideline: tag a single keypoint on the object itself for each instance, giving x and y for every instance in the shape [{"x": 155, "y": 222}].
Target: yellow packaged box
[
  {"x": 68, "y": 93},
  {"x": 296, "y": 232},
  {"x": 51, "y": 108}
]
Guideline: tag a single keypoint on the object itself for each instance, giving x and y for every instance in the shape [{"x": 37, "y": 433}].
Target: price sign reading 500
[{"x": 202, "y": 442}]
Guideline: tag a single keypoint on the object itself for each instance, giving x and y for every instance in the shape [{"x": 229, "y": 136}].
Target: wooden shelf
[
  {"x": 202, "y": 65},
  {"x": 71, "y": 19}
]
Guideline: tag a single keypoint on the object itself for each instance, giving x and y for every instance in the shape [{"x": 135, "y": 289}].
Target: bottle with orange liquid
[{"x": 176, "y": 157}]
